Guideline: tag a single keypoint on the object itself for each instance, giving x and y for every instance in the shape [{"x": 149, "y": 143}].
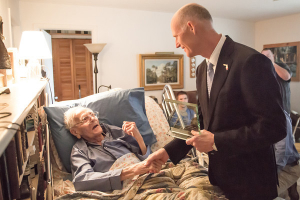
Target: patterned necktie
[{"x": 210, "y": 77}]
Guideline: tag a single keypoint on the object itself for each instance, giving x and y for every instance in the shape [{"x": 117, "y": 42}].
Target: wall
[
  {"x": 127, "y": 33},
  {"x": 9, "y": 11},
  {"x": 280, "y": 30}
]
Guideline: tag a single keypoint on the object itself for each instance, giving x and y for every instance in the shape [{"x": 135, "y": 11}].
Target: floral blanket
[{"x": 186, "y": 180}]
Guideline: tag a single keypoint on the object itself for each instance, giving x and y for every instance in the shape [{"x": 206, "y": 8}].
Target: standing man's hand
[
  {"x": 203, "y": 142},
  {"x": 161, "y": 156}
]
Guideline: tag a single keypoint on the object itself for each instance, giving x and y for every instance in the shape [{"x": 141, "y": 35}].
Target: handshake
[
  {"x": 155, "y": 161},
  {"x": 152, "y": 164},
  {"x": 202, "y": 141}
]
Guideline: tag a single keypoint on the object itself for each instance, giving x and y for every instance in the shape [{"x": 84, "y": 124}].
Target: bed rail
[
  {"x": 48, "y": 163},
  {"x": 168, "y": 107}
]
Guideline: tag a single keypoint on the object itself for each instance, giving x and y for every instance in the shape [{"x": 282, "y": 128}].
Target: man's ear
[
  {"x": 75, "y": 133},
  {"x": 191, "y": 26}
]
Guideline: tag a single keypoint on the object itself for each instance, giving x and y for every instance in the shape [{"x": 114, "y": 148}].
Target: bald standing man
[{"x": 239, "y": 109}]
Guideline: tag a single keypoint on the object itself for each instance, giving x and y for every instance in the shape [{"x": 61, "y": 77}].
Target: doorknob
[{"x": 55, "y": 97}]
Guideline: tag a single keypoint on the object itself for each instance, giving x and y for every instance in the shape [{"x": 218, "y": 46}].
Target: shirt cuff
[
  {"x": 146, "y": 155},
  {"x": 215, "y": 147},
  {"x": 115, "y": 180}
]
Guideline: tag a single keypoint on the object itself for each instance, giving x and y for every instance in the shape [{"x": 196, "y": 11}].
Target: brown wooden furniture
[
  {"x": 72, "y": 68},
  {"x": 23, "y": 102}
]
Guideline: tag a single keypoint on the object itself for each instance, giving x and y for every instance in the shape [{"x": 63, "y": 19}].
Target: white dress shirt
[{"x": 214, "y": 57}]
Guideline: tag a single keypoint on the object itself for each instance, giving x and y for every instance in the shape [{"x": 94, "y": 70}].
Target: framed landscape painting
[
  {"x": 157, "y": 70},
  {"x": 287, "y": 53}
]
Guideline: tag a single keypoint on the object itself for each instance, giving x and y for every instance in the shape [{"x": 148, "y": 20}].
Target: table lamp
[
  {"x": 33, "y": 46},
  {"x": 95, "y": 49}
]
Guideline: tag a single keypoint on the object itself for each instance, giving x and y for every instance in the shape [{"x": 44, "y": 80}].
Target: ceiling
[{"x": 249, "y": 10}]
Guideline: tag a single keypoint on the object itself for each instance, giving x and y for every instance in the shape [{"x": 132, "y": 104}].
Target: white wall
[
  {"x": 127, "y": 33},
  {"x": 280, "y": 30},
  {"x": 9, "y": 11}
]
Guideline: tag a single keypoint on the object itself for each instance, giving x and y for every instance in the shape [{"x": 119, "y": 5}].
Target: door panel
[
  {"x": 82, "y": 68},
  {"x": 72, "y": 64}
]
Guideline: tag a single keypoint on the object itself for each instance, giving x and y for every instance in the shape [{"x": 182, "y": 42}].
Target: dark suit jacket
[{"x": 245, "y": 114}]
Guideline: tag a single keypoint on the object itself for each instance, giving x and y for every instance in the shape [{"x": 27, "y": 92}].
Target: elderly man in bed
[{"x": 99, "y": 146}]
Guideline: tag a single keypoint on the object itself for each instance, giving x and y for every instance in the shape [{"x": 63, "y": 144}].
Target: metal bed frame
[
  {"x": 170, "y": 108},
  {"x": 49, "y": 178}
]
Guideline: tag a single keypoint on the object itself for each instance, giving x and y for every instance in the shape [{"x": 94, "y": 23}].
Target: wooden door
[{"x": 72, "y": 66}]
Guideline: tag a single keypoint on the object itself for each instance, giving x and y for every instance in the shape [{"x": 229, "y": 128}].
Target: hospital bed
[{"x": 186, "y": 180}]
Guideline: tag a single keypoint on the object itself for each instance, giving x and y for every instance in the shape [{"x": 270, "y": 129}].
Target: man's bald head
[
  {"x": 193, "y": 30},
  {"x": 191, "y": 12}
]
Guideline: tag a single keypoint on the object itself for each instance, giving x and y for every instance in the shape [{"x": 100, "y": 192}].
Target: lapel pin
[{"x": 226, "y": 66}]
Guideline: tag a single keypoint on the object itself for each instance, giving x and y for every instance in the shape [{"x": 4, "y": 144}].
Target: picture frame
[
  {"x": 288, "y": 53},
  {"x": 157, "y": 70}
]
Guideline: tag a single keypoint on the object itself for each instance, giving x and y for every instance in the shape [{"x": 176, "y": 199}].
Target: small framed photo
[
  {"x": 157, "y": 70},
  {"x": 288, "y": 53}
]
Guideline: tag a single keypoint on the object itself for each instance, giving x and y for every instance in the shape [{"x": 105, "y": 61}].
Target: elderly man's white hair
[{"x": 69, "y": 116}]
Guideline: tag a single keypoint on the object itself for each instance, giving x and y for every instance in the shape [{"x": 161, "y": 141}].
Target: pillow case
[
  {"x": 114, "y": 107},
  {"x": 158, "y": 123}
]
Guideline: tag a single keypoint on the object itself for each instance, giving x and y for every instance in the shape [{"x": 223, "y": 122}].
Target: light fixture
[
  {"x": 33, "y": 46},
  {"x": 95, "y": 49}
]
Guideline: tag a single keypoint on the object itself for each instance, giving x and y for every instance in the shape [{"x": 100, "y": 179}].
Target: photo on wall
[
  {"x": 157, "y": 70},
  {"x": 287, "y": 53}
]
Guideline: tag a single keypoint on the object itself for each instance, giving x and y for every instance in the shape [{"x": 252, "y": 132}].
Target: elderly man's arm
[
  {"x": 85, "y": 178},
  {"x": 131, "y": 129}
]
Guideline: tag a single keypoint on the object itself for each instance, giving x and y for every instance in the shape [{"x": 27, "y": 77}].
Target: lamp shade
[
  {"x": 34, "y": 46},
  {"x": 95, "y": 48}
]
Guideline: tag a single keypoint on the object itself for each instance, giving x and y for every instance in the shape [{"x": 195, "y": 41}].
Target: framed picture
[
  {"x": 157, "y": 70},
  {"x": 288, "y": 53}
]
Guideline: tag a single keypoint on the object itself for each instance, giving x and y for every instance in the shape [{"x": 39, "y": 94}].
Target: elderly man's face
[{"x": 86, "y": 126}]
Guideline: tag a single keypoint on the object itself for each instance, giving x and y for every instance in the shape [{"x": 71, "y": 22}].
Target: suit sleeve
[
  {"x": 177, "y": 149},
  {"x": 266, "y": 123}
]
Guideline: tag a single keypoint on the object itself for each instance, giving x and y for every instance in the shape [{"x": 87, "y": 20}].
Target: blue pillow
[{"x": 113, "y": 107}]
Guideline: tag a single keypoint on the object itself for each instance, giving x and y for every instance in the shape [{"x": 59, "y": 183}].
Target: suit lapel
[
  {"x": 222, "y": 70},
  {"x": 203, "y": 96}
]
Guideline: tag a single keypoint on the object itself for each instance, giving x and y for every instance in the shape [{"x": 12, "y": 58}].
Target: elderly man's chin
[{"x": 96, "y": 128}]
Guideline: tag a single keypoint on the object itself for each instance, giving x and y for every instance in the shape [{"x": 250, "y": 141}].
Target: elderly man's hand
[
  {"x": 131, "y": 129},
  {"x": 154, "y": 167},
  {"x": 160, "y": 156},
  {"x": 203, "y": 142},
  {"x": 140, "y": 168}
]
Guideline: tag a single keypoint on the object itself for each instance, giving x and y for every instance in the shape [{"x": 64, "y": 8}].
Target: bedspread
[{"x": 186, "y": 180}]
